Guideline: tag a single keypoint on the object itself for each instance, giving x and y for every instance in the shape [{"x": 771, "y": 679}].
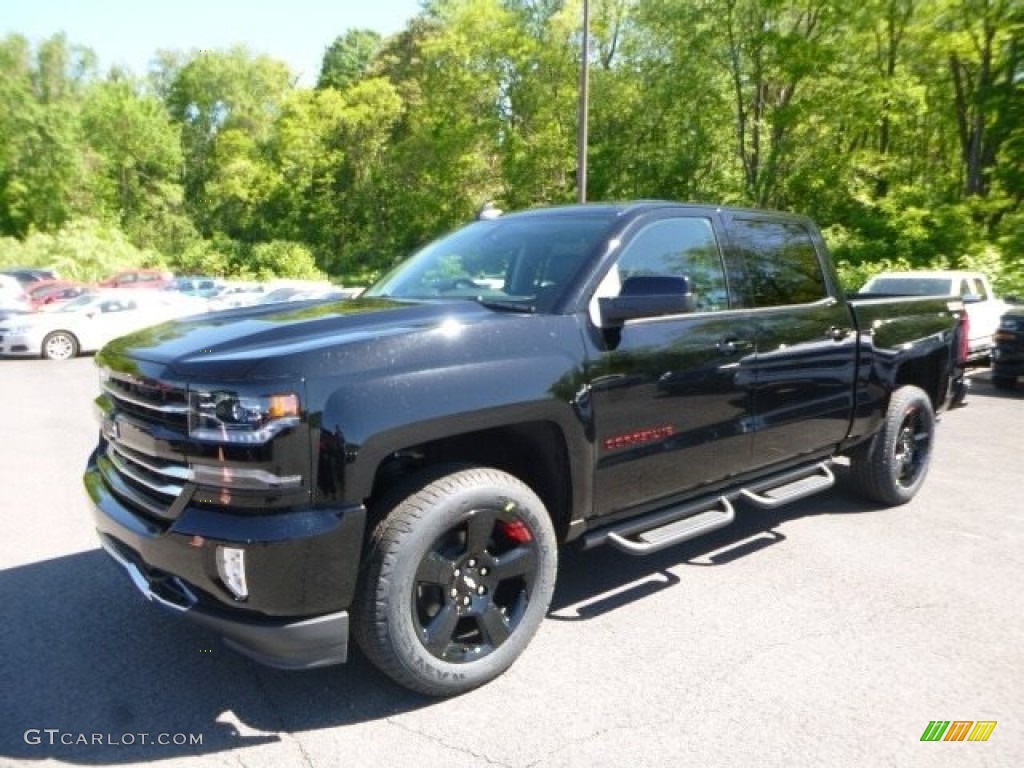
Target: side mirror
[
  {"x": 971, "y": 298},
  {"x": 648, "y": 296}
]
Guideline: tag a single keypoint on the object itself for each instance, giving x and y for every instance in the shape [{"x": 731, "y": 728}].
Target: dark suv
[{"x": 1008, "y": 354}]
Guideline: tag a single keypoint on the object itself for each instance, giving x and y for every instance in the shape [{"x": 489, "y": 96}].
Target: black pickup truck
[{"x": 406, "y": 465}]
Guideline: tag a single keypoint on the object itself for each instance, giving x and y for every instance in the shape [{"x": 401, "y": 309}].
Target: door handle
[
  {"x": 837, "y": 334},
  {"x": 734, "y": 346}
]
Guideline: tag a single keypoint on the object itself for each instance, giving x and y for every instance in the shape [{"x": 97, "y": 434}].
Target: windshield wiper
[{"x": 506, "y": 305}]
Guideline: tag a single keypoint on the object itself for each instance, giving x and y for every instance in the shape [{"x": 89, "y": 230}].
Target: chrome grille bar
[
  {"x": 174, "y": 471},
  {"x": 180, "y": 409},
  {"x": 121, "y": 463}
]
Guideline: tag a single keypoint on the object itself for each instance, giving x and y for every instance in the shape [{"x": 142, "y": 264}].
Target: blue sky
[{"x": 129, "y": 32}]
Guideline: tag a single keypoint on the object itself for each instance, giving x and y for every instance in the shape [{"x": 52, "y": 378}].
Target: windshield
[
  {"x": 82, "y": 301},
  {"x": 527, "y": 261},
  {"x": 911, "y": 286}
]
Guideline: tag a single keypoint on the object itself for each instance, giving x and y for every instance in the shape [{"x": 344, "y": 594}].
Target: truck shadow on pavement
[
  {"x": 85, "y": 656},
  {"x": 91, "y": 674}
]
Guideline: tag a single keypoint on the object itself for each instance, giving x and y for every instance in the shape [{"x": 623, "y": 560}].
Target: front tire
[
  {"x": 459, "y": 575},
  {"x": 890, "y": 467},
  {"x": 60, "y": 345},
  {"x": 1004, "y": 382}
]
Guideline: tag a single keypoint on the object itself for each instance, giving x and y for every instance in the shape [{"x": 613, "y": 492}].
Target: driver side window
[{"x": 674, "y": 248}]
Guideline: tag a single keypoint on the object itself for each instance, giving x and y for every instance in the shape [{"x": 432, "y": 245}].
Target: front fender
[
  {"x": 377, "y": 418},
  {"x": 394, "y": 395}
]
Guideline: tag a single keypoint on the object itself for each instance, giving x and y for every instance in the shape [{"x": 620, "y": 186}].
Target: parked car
[
  {"x": 13, "y": 299},
  {"x": 46, "y": 293},
  {"x": 973, "y": 288},
  {"x": 237, "y": 293},
  {"x": 301, "y": 293},
  {"x": 1008, "y": 354},
  {"x": 138, "y": 278},
  {"x": 86, "y": 323},
  {"x": 27, "y": 275},
  {"x": 203, "y": 287}
]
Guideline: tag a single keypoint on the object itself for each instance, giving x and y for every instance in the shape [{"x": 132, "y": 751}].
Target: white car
[
  {"x": 87, "y": 323},
  {"x": 973, "y": 288},
  {"x": 13, "y": 300}
]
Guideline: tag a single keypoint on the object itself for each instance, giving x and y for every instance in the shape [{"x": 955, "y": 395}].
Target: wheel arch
[
  {"x": 536, "y": 452},
  {"x": 928, "y": 374}
]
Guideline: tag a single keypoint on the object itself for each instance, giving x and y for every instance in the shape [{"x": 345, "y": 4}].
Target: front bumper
[
  {"x": 1008, "y": 360},
  {"x": 301, "y": 569},
  {"x": 20, "y": 345}
]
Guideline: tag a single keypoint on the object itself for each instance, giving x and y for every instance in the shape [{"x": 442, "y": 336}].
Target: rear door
[{"x": 806, "y": 348}]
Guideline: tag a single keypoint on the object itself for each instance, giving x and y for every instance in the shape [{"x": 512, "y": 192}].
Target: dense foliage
[{"x": 897, "y": 124}]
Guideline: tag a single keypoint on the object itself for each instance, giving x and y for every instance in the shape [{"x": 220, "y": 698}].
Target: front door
[{"x": 671, "y": 395}]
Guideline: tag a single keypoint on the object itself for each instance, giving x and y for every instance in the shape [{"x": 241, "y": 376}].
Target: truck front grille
[
  {"x": 145, "y": 423},
  {"x": 148, "y": 399}
]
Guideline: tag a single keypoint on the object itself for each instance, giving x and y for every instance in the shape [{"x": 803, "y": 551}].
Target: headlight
[
  {"x": 232, "y": 417},
  {"x": 18, "y": 329}
]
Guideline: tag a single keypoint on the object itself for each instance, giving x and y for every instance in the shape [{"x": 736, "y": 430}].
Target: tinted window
[
  {"x": 529, "y": 260},
  {"x": 679, "y": 248},
  {"x": 781, "y": 261}
]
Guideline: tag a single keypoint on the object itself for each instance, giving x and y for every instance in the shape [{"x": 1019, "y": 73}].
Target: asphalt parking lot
[{"x": 827, "y": 633}]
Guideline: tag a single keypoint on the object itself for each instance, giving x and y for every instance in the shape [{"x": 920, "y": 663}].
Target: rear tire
[
  {"x": 60, "y": 345},
  {"x": 458, "y": 577},
  {"x": 890, "y": 467}
]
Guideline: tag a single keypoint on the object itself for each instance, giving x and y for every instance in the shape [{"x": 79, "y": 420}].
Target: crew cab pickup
[
  {"x": 983, "y": 308},
  {"x": 404, "y": 467}
]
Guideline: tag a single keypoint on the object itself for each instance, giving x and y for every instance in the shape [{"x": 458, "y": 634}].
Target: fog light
[{"x": 231, "y": 569}]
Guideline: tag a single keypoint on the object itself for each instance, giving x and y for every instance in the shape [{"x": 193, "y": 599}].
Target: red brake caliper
[{"x": 515, "y": 531}]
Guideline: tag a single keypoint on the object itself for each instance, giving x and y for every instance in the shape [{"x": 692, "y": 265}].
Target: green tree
[
  {"x": 986, "y": 53},
  {"x": 277, "y": 258},
  {"x": 660, "y": 107},
  {"x": 347, "y": 60},
  {"x": 537, "y": 104},
  {"x": 224, "y": 93},
  {"x": 328, "y": 149},
  {"x": 41, "y": 164},
  {"x": 82, "y": 249},
  {"x": 134, "y": 151}
]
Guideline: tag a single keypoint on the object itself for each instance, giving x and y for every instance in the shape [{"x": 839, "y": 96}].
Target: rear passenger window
[{"x": 782, "y": 263}]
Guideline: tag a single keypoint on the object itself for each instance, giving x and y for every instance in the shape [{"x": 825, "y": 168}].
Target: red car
[
  {"x": 47, "y": 292},
  {"x": 138, "y": 278}
]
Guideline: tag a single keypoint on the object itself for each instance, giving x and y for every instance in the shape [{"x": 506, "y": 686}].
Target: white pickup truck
[{"x": 983, "y": 308}]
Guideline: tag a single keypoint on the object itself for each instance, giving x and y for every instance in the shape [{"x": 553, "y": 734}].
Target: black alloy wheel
[
  {"x": 474, "y": 584},
  {"x": 891, "y": 466},
  {"x": 458, "y": 576}
]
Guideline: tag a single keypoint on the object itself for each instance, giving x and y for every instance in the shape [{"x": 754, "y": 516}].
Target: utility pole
[{"x": 583, "y": 109}]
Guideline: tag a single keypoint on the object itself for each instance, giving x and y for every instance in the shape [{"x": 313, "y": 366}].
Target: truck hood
[{"x": 236, "y": 343}]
